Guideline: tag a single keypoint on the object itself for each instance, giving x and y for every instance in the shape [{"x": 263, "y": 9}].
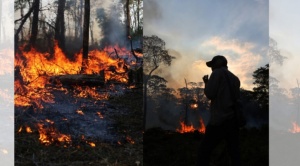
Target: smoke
[
  {"x": 153, "y": 11},
  {"x": 168, "y": 115},
  {"x": 111, "y": 25}
]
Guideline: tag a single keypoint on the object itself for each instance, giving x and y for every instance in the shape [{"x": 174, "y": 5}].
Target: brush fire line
[{"x": 190, "y": 128}]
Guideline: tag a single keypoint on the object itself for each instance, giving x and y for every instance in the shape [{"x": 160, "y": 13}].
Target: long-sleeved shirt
[{"x": 217, "y": 89}]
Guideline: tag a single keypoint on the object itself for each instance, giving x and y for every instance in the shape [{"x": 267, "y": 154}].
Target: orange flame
[
  {"x": 295, "y": 129},
  {"x": 130, "y": 140},
  {"x": 36, "y": 69},
  {"x": 80, "y": 112},
  {"x": 28, "y": 129},
  {"x": 190, "y": 128},
  {"x": 51, "y": 135},
  {"x": 92, "y": 144},
  {"x": 20, "y": 129},
  {"x": 100, "y": 115},
  {"x": 194, "y": 106}
]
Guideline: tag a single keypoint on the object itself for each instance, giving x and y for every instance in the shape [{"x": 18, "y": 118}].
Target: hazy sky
[
  {"x": 6, "y": 85},
  {"x": 200, "y": 29},
  {"x": 284, "y": 29}
]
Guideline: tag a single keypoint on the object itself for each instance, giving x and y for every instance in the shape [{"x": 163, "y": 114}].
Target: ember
[
  {"x": 28, "y": 129},
  {"x": 49, "y": 135},
  {"x": 130, "y": 140}
]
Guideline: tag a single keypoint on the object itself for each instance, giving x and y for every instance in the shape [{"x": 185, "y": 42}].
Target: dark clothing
[
  {"x": 218, "y": 91},
  {"x": 221, "y": 125},
  {"x": 229, "y": 132}
]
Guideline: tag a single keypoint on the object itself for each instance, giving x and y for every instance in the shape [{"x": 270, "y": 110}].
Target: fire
[
  {"x": 35, "y": 82},
  {"x": 28, "y": 129},
  {"x": 295, "y": 129},
  {"x": 92, "y": 144},
  {"x": 49, "y": 135},
  {"x": 190, "y": 128},
  {"x": 34, "y": 70},
  {"x": 80, "y": 112},
  {"x": 194, "y": 105},
  {"x": 100, "y": 115},
  {"x": 20, "y": 129},
  {"x": 130, "y": 140},
  {"x": 89, "y": 92}
]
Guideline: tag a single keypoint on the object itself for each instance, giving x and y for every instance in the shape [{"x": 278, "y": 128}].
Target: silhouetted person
[{"x": 222, "y": 123}]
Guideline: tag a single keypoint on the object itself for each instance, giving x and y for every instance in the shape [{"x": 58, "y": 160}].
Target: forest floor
[
  {"x": 128, "y": 128},
  {"x": 171, "y": 148}
]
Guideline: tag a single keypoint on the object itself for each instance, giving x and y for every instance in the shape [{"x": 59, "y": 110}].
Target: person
[{"x": 222, "y": 124}]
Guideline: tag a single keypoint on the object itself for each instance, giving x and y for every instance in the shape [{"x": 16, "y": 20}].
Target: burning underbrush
[
  {"x": 185, "y": 128},
  {"x": 295, "y": 129},
  {"x": 56, "y": 105}
]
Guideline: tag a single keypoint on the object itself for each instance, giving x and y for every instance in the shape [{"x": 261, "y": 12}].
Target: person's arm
[{"x": 212, "y": 85}]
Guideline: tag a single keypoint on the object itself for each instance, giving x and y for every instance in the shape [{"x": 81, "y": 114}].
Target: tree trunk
[
  {"x": 85, "y": 44},
  {"x": 146, "y": 79},
  {"x": 92, "y": 35},
  {"x": 21, "y": 26},
  {"x": 35, "y": 23},
  {"x": 60, "y": 25},
  {"x": 127, "y": 18},
  {"x": 80, "y": 20},
  {"x": 75, "y": 22},
  {"x": 145, "y": 104},
  {"x": 138, "y": 15}
]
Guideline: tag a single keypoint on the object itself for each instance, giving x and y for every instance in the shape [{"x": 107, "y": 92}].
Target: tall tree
[
  {"x": 35, "y": 22},
  {"x": 127, "y": 18},
  {"x": 261, "y": 89},
  {"x": 23, "y": 19},
  {"x": 274, "y": 52},
  {"x": 79, "y": 15},
  {"x": 138, "y": 14},
  {"x": 60, "y": 24},
  {"x": 155, "y": 54},
  {"x": 85, "y": 44}
]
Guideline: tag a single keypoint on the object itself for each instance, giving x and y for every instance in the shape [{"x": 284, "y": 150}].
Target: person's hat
[{"x": 218, "y": 60}]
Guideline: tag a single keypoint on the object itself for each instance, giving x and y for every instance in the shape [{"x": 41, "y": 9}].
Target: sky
[
  {"x": 197, "y": 30},
  {"x": 284, "y": 29}
]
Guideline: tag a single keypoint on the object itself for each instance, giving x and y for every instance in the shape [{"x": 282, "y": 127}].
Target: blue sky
[{"x": 199, "y": 29}]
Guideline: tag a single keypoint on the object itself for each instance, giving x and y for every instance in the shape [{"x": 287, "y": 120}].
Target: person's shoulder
[{"x": 219, "y": 70}]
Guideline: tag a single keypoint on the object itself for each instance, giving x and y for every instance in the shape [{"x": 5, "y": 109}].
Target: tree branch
[{"x": 23, "y": 22}]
